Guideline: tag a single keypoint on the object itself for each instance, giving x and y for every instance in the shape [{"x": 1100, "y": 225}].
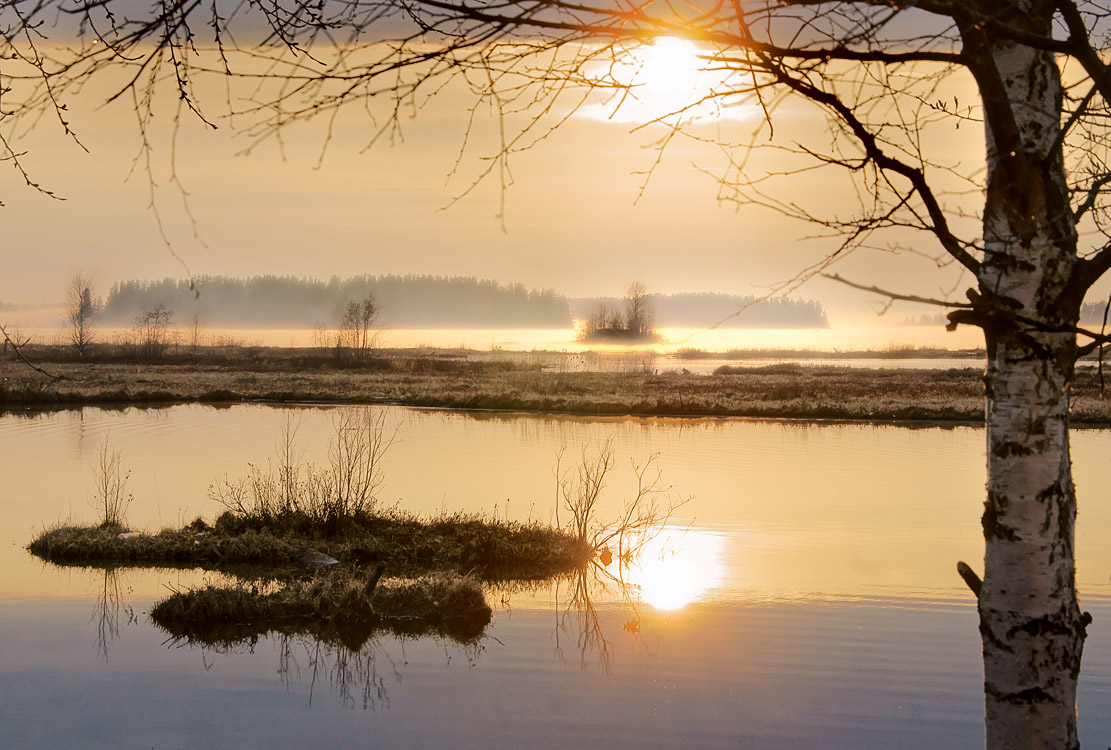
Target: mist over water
[{"x": 832, "y": 340}]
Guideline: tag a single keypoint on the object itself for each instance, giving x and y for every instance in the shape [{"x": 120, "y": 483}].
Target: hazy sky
[{"x": 572, "y": 218}]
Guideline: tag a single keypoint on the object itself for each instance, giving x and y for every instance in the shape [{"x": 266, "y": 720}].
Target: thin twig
[{"x": 16, "y": 348}]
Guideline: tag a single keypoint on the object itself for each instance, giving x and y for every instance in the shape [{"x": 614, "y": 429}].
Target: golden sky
[{"x": 573, "y": 220}]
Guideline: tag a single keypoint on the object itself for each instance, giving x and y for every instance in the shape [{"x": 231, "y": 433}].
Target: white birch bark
[{"x": 1030, "y": 621}]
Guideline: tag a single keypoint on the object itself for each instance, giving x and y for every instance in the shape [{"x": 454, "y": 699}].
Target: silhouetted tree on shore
[
  {"x": 356, "y": 333},
  {"x": 82, "y": 310}
]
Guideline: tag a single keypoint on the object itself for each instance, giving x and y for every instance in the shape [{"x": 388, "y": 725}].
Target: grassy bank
[
  {"x": 449, "y": 380},
  {"x": 491, "y": 550}
]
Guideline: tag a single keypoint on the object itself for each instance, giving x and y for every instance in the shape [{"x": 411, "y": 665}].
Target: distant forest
[
  {"x": 289, "y": 302},
  {"x": 427, "y": 302},
  {"x": 703, "y": 309}
]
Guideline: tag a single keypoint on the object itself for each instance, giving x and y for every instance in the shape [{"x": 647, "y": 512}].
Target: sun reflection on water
[{"x": 677, "y": 567}]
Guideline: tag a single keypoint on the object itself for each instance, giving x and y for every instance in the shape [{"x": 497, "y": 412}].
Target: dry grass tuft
[{"x": 103, "y": 545}]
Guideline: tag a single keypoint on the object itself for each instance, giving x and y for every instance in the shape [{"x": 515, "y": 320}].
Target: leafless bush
[
  {"x": 345, "y": 487},
  {"x": 193, "y": 333},
  {"x": 152, "y": 331},
  {"x": 110, "y": 495},
  {"x": 322, "y": 339},
  {"x": 289, "y": 456},
  {"x": 360, "y": 441},
  {"x": 578, "y": 490}
]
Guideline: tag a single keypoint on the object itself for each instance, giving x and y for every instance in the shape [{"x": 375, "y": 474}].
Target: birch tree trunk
[{"x": 1030, "y": 621}]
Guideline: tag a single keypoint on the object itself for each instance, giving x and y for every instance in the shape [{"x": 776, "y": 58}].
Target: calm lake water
[{"x": 805, "y": 597}]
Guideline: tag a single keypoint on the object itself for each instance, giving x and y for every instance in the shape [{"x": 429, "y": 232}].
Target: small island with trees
[{"x": 635, "y": 323}]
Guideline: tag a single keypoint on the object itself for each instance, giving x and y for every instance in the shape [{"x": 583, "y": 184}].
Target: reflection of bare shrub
[
  {"x": 110, "y": 485},
  {"x": 580, "y": 620},
  {"x": 350, "y": 672},
  {"x": 108, "y": 611},
  {"x": 354, "y": 675}
]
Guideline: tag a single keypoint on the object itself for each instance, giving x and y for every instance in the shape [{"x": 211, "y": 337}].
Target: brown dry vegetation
[
  {"x": 492, "y": 550},
  {"x": 787, "y": 390},
  {"x": 282, "y": 587},
  {"x": 333, "y": 607}
]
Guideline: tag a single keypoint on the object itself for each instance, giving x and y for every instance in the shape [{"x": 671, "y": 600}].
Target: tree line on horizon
[
  {"x": 427, "y": 301},
  {"x": 288, "y": 301}
]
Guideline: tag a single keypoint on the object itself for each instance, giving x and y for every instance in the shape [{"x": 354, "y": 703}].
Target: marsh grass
[
  {"x": 797, "y": 391},
  {"x": 103, "y": 546},
  {"x": 333, "y": 606},
  {"x": 493, "y": 550}
]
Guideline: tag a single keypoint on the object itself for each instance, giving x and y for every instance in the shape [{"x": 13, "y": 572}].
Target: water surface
[{"x": 805, "y": 596}]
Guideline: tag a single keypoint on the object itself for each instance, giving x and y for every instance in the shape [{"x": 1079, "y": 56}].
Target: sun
[
  {"x": 666, "y": 81},
  {"x": 677, "y": 568},
  {"x": 669, "y": 66}
]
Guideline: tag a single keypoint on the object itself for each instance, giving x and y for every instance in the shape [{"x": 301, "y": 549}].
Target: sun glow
[
  {"x": 664, "y": 81},
  {"x": 677, "y": 568},
  {"x": 669, "y": 65}
]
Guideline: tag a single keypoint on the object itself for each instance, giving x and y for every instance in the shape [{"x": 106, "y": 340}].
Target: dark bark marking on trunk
[
  {"x": 1010, "y": 449},
  {"x": 988, "y": 635},
  {"x": 1027, "y": 697},
  {"x": 994, "y": 507},
  {"x": 1047, "y": 625},
  {"x": 1052, "y": 492},
  {"x": 1018, "y": 184},
  {"x": 1056, "y": 509}
]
